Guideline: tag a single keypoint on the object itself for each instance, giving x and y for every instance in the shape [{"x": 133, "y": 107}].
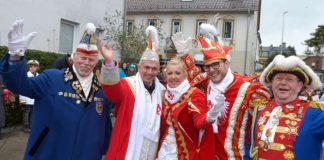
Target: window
[
  {"x": 176, "y": 26},
  {"x": 265, "y": 54},
  {"x": 67, "y": 33},
  {"x": 99, "y": 32},
  {"x": 198, "y": 23},
  {"x": 152, "y": 22},
  {"x": 228, "y": 29},
  {"x": 130, "y": 27}
]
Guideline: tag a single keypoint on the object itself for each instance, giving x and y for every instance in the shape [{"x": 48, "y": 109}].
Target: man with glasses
[
  {"x": 229, "y": 96},
  {"x": 287, "y": 127}
]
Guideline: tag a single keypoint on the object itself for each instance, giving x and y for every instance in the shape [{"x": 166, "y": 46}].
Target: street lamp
[{"x": 283, "y": 27}]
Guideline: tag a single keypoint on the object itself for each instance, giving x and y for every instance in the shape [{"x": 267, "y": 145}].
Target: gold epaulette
[
  {"x": 259, "y": 102},
  {"x": 315, "y": 104}
]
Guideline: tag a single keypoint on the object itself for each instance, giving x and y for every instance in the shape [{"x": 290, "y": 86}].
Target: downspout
[
  {"x": 124, "y": 16},
  {"x": 246, "y": 40}
]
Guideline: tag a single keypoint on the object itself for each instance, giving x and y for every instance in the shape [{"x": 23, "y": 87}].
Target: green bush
[
  {"x": 13, "y": 113},
  {"x": 44, "y": 58}
]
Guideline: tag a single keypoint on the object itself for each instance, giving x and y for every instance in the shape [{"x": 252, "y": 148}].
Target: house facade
[
  {"x": 316, "y": 62},
  {"x": 269, "y": 51},
  {"x": 237, "y": 21},
  {"x": 59, "y": 23}
]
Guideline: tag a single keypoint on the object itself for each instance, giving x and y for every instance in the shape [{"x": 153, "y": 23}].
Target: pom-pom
[{"x": 90, "y": 28}]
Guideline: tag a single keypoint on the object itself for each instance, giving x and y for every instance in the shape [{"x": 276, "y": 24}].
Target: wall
[{"x": 44, "y": 16}]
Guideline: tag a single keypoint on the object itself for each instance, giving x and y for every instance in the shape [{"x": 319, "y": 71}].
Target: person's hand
[
  {"x": 218, "y": 109},
  {"x": 180, "y": 43},
  {"x": 106, "y": 51},
  {"x": 17, "y": 41}
]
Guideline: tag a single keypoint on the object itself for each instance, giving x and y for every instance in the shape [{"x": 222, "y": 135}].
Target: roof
[{"x": 191, "y": 6}]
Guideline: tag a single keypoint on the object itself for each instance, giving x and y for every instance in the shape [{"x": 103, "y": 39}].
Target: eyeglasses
[
  {"x": 288, "y": 79},
  {"x": 214, "y": 65}
]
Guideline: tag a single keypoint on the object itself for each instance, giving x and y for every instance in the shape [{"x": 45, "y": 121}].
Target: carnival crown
[
  {"x": 211, "y": 44},
  {"x": 88, "y": 43},
  {"x": 151, "y": 52}
]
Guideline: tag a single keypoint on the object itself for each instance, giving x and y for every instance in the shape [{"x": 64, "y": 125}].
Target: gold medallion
[{"x": 99, "y": 106}]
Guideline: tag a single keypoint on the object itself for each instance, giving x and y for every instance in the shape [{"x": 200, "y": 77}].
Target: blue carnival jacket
[{"x": 65, "y": 124}]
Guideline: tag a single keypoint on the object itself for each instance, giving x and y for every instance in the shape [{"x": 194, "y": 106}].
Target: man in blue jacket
[{"x": 71, "y": 116}]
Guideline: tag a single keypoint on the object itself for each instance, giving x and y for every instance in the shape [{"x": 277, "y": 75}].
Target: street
[{"x": 12, "y": 143}]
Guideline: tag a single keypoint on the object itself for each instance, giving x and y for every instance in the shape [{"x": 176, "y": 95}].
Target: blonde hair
[{"x": 177, "y": 61}]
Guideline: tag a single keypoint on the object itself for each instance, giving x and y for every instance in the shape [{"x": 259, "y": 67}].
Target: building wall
[
  {"x": 44, "y": 17},
  {"x": 243, "y": 25},
  {"x": 315, "y": 62}
]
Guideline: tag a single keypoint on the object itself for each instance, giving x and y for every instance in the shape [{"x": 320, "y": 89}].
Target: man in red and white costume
[
  {"x": 138, "y": 104},
  {"x": 231, "y": 125}
]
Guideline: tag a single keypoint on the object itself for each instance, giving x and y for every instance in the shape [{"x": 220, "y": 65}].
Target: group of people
[
  {"x": 127, "y": 70},
  {"x": 194, "y": 116}
]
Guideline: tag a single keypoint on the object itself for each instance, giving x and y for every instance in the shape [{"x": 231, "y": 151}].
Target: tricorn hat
[{"x": 293, "y": 65}]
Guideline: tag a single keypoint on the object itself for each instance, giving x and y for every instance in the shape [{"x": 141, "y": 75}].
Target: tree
[
  {"x": 317, "y": 39},
  {"x": 291, "y": 51},
  {"x": 130, "y": 43},
  {"x": 308, "y": 52}
]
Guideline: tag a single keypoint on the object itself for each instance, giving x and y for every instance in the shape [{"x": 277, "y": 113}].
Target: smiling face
[
  {"x": 175, "y": 74},
  {"x": 84, "y": 64},
  {"x": 148, "y": 70},
  {"x": 286, "y": 87},
  {"x": 217, "y": 70}
]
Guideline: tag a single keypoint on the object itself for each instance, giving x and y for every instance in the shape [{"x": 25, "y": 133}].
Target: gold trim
[
  {"x": 315, "y": 105},
  {"x": 193, "y": 108},
  {"x": 216, "y": 58},
  {"x": 294, "y": 69},
  {"x": 272, "y": 146},
  {"x": 112, "y": 83},
  {"x": 130, "y": 85}
]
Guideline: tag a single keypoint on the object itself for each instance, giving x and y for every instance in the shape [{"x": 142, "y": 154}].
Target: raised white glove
[
  {"x": 218, "y": 108},
  {"x": 17, "y": 41},
  {"x": 181, "y": 44}
]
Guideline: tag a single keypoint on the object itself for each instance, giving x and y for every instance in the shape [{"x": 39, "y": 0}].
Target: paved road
[{"x": 12, "y": 143}]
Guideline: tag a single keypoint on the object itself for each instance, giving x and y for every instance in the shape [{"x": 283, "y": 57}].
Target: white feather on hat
[
  {"x": 152, "y": 31},
  {"x": 290, "y": 65},
  {"x": 209, "y": 31},
  {"x": 151, "y": 52}
]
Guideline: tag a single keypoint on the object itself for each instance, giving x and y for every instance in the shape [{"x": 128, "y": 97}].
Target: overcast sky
[{"x": 302, "y": 18}]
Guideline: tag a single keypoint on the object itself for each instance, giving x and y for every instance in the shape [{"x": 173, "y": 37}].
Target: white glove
[
  {"x": 218, "y": 108},
  {"x": 17, "y": 42},
  {"x": 181, "y": 44}
]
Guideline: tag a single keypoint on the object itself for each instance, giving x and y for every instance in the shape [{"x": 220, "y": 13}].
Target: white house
[
  {"x": 236, "y": 20},
  {"x": 59, "y": 23}
]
